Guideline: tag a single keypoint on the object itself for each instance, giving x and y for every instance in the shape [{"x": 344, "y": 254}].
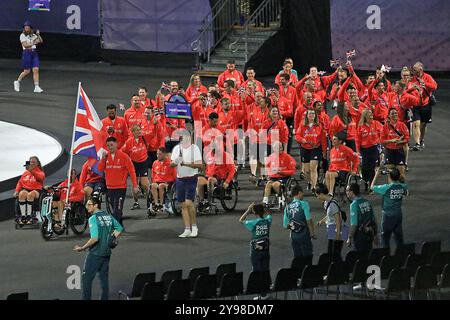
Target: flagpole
[{"x": 71, "y": 147}]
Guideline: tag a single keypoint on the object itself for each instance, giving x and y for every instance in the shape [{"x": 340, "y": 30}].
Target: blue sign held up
[
  {"x": 177, "y": 107},
  {"x": 39, "y": 5}
]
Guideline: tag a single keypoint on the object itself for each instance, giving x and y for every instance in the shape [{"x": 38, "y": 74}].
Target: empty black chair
[
  {"x": 153, "y": 291},
  {"x": 138, "y": 284},
  {"x": 195, "y": 273},
  {"x": 168, "y": 276},
  {"x": 412, "y": 263},
  {"x": 388, "y": 263},
  {"x": 205, "y": 287},
  {"x": 378, "y": 253},
  {"x": 429, "y": 249},
  {"x": 336, "y": 276},
  {"x": 398, "y": 282},
  {"x": 424, "y": 280},
  {"x": 359, "y": 274},
  {"x": 444, "y": 281},
  {"x": 439, "y": 261},
  {"x": 311, "y": 278},
  {"x": 232, "y": 285},
  {"x": 324, "y": 263},
  {"x": 286, "y": 280},
  {"x": 18, "y": 296},
  {"x": 403, "y": 251},
  {"x": 299, "y": 263},
  {"x": 223, "y": 269},
  {"x": 350, "y": 259},
  {"x": 258, "y": 283},
  {"x": 179, "y": 290}
]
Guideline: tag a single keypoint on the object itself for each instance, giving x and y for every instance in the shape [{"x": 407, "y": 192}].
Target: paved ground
[{"x": 28, "y": 263}]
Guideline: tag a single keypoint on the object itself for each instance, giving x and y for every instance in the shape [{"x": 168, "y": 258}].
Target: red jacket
[
  {"x": 33, "y": 180},
  {"x": 231, "y": 121},
  {"x": 368, "y": 135},
  {"x": 342, "y": 158},
  {"x": 162, "y": 172},
  {"x": 292, "y": 80},
  {"x": 259, "y": 86},
  {"x": 200, "y": 113},
  {"x": 389, "y": 133},
  {"x": 256, "y": 118},
  {"x": 285, "y": 107},
  {"x": 403, "y": 102},
  {"x": 223, "y": 169},
  {"x": 87, "y": 175},
  {"x": 290, "y": 94},
  {"x": 120, "y": 129},
  {"x": 235, "y": 100},
  {"x": 337, "y": 126},
  {"x": 136, "y": 150},
  {"x": 299, "y": 115},
  {"x": 117, "y": 170},
  {"x": 193, "y": 92},
  {"x": 381, "y": 103},
  {"x": 280, "y": 165},
  {"x": 134, "y": 116},
  {"x": 236, "y": 76},
  {"x": 322, "y": 83},
  {"x": 430, "y": 86},
  {"x": 282, "y": 135},
  {"x": 76, "y": 193},
  {"x": 210, "y": 134},
  {"x": 154, "y": 134},
  {"x": 315, "y": 137}
]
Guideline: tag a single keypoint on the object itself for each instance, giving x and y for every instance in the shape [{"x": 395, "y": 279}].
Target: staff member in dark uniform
[
  {"x": 260, "y": 228},
  {"x": 103, "y": 227},
  {"x": 297, "y": 218}
]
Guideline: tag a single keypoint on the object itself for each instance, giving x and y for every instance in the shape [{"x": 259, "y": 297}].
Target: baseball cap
[{"x": 27, "y": 23}]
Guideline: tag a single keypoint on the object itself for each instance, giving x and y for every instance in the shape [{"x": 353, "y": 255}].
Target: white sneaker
[
  {"x": 194, "y": 233},
  {"x": 16, "y": 86},
  {"x": 185, "y": 234},
  {"x": 38, "y": 89}
]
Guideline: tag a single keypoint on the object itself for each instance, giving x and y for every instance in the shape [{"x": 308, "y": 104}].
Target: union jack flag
[
  {"x": 89, "y": 138},
  {"x": 334, "y": 63},
  {"x": 385, "y": 68},
  {"x": 350, "y": 54}
]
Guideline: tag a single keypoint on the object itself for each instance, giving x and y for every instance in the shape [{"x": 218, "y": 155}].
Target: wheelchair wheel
[
  {"x": 78, "y": 218},
  {"x": 44, "y": 232},
  {"x": 229, "y": 197},
  {"x": 176, "y": 206}
]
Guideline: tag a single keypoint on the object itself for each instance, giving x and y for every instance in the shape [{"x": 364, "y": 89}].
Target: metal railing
[
  {"x": 216, "y": 26},
  {"x": 264, "y": 20}
]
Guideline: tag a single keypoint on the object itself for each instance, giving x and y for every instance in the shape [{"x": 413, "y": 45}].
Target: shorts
[
  {"x": 342, "y": 176},
  {"x": 351, "y": 144},
  {"x": 141, "y": 168},
  {"x": 186, "y": 188},
  {"x": 422, "y": 114},
  {"x": 282, "y": 180},
  {"x": 30, "y": 59},
  {"x": 262, "y": 151},
  {"x": 308, "y": 155},
  {"x": 370, "y": 155},
  {"x": 395, "y": 157},
  {"x": 96, "y": 186}
]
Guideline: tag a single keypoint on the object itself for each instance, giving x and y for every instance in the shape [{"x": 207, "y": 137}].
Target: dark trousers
[
  {"x": 362, "y": 242},
  {"x": 290, "y": 125},
  {"x": 117, "y": 198},
  {"x": 260, "y": 260},
  {"x": 370, "y": 159},
  {"x": 301, "y": 244},
  {"x": 335, "y": 249},
  {"x": 391, "y": 224},
  {"x": 92, "y": 265}
]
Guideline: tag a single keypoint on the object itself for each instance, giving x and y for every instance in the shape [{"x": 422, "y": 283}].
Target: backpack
[{"x": 343, "y": 213}]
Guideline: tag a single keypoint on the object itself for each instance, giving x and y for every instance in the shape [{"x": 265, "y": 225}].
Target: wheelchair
[
  {"x": 228, "y": 198},
  {"x": 35, "y": 214},
  {"x": 277, "y": 202},
  {"x": 340, "y": 187},
  {"x": 170, "y": 200},
  {"x": 75, "y": 216}
]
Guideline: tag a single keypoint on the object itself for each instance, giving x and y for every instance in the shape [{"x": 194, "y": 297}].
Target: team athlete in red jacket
[
  {"x": 135, "y": 114},
  {"x": 115, "y": 126},
  {"x": 312, "y": 138},
  {"x": 342, "y": 121},
  {"x": 136, "y": 148},
  {"x": 230, "y": 74},
  {"x": 117, "y": 166},
  {"x": 195, "y": 88},
  {"x": 343, "y": 161},
  {"x": 91, "y": 179},
  {"x": 28, "y": 188},
  {"x": 279, "y": 166},
  {"x": 162, "y": 176}
]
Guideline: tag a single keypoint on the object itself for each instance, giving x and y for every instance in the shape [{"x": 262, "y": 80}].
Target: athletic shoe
[
  {"x": 194, "y": 232},
  {"x": 422, "y": 144},
  {"x": 265, "y": 297},
  {"x": 185, "y": 234},
  {"x": 136, "y": 206},
  {"x": 38, "y": 89},
  {"x": 417, "y": 147},
  {"x": 358, "y": 287},
  {"x": 308, "y": 187},
  {"x": 252, "y": 178},
  {"x": 28, "y": 220},
  {"x": 16, "y": 86}
]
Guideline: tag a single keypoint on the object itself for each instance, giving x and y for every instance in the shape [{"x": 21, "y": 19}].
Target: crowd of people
[{"x": 237, "y": 118}]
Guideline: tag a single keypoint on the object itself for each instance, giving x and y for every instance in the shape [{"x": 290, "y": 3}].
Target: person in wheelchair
[
  {"x": 29, "y": 188},
  {"x": 343, "y": 161},
  {"x": 279, "y": 166},
  {"x": 220, "y": 171},
  {"x": 76, "y": 194},
  {"x": 162, "y": 177},
  {"x": 91, "y": 179}
]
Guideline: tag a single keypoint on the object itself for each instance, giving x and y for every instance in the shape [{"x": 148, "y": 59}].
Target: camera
[{"x": 27, "y": 163}]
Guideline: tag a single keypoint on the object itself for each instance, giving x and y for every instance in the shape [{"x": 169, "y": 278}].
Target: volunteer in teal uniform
[
  {"x": 103, "y": 228},
  {"x": 297, "y": 218},
  {"x": 363, "y": 231},
  {"x": 391, "y": 208},
  {"x": 260, "y": 229}
]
